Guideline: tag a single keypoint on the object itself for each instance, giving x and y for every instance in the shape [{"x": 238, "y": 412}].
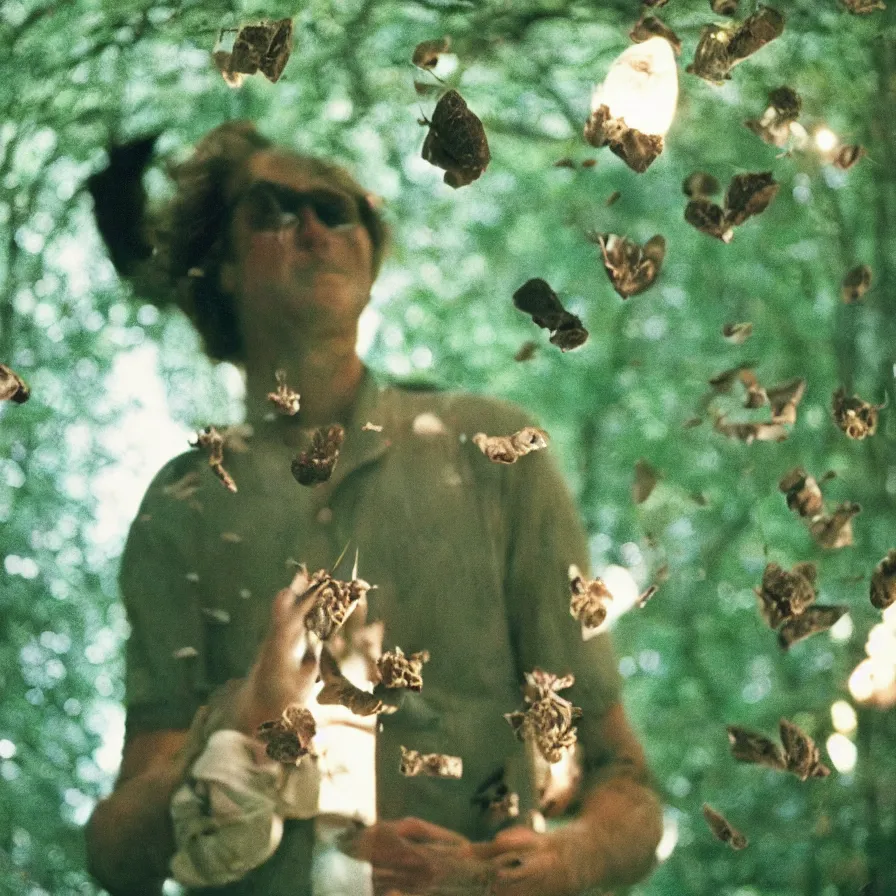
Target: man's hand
[
  {"x": 525, "y": 863},
  {"x": 412, "y": 857},
  {"x": 285, "y": 666}
]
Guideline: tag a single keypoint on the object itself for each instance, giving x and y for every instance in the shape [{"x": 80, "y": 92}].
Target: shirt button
[{"x": 324, "y": 515}]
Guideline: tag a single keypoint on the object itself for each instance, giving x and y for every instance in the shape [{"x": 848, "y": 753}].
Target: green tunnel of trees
[{"x": 83, "y": 75}]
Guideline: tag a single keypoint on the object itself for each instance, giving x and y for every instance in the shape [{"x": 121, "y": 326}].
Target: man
[{"x": 469, "y": 560}]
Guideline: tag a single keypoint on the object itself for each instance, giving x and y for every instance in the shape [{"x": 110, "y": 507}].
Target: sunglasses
[{"x": 271, "y": 206}]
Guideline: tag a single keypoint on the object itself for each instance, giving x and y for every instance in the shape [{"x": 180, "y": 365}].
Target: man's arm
[{"x": 130, "y": 839}]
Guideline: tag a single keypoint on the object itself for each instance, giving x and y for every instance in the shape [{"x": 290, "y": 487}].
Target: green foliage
[{"x": 81, "y": 74}]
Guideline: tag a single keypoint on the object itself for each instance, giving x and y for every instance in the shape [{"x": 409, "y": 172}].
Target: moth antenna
[
  {"x": 355, "y": 567},
  {"x": 339, "y": 558}
]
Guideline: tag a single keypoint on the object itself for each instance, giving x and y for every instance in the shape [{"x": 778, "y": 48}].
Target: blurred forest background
[{"x": 118, "y": 387}]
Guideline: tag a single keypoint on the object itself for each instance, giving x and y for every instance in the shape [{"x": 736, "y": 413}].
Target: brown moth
[
  {"x": 632, "y": 268},
  {"x": 646, "y": 594},
  {"x": 848, "y": 155},
  {"x": 456, "y": 141},
  {"x": 645, "y": 481},
  {"x": 700, "y": 184},
  {"x": 834, "y": 530},
  {"x": 496, "y": 799},
  {"x": 817, "y": 618},
  {"x": 508, "y": 449},
  {"x": 12, "y": 387},
  {"x": 749, "y": 746},
  {"x": 856, "y": 283},
  {"x": 750, "y": 432},
  {"x": 863, "y": 7},
  {"x": 723, "y": 7},
  {"x": 315, "y": 465},
  {"x": 855, "y": 417},
  {"x": 265, "y": 47},
  {"x": 650, "y": 26},
  {"x": 588, "y": 599},
  {"x": 636, "y": 149},
  {"x": 426, "y": 53},
  {"x": 288, "y": 738},
  {"x": 339, "y": 691},
  {"x": 802, "y": 491},
  {"x": 784, "y": 399},
  {"x": 711, "y": 60},
  {"x": 774, "y": 124},
  {"x": 613, "y": 198},
  {"x": 399, "y": 671},
  {"x": 526, "y": 351},
  {"x": 883, "y": 582},
  {"x": 547, "y": 718},
  {"x": 334, "y": 600},
  {"x": 722, "y": 47},
  {"x": 783, "y": 595},
  {"x": 212, "y": 441},
  {"x": 737, "y": 333},
  {"x": 283, "y": 398},
  {"x": 747, "y": 195},
  {"x": 432, "y": 765},
  {"x": 801, "y": 754},
  {"x": 721, "y": 828},
  {"x": 536, "y": 298}
]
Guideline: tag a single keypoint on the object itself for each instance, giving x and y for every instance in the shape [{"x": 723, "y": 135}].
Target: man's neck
[{"x": 326, "y": 375}]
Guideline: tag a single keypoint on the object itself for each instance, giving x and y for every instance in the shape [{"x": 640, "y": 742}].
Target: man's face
[{"x": 299, "y": 251}]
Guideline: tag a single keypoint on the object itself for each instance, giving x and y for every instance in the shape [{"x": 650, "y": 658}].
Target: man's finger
[
  {"x": 513, "y": 839},
  {"x": 421, "y": 831}
]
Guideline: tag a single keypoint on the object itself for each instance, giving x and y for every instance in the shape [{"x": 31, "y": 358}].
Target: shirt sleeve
[
  {"x": 165, "y": 680},
  {"x": 544, "y": 536}
]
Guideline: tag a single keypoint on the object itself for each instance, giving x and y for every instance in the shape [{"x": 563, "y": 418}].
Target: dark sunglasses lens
[
  {"x": 262, "y": 208},
  {"x": 332, "y": 209}
]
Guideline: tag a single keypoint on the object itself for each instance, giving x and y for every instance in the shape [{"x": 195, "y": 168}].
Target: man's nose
[{"x": 308, "y": 227}]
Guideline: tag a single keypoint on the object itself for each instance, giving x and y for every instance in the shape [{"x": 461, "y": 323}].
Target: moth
[
  {"x": 265, "y": 46},
  {"x": 426, "y": 54},
  {"x": 283, "y": 398},
  {"x": 700, "y": 184},
  {"x": 784, "y": 398},
  {"x": 848, "y": 155},
  {"x": 588, "y": 599},
  {"x": 339, "y": 691},
  {"x": 371, "y": 427},
  {"x": 856, "y": 283},
  {"x": 334, "y": 600},
  {"x": 650, "y": 26},
  {"x": 613, "y": 198},
  {"x": 526, "y": 351},
  {"x": 12, "y": 387},
  {"x": 783, "y": 595},
  {"x": 722, "y": 829},
  {"x": 747, "y": 195},
  {"x": 399, "y": 671},
  {"x": 750, "y": 432},
  {"x": 863, "y": 7},
  {"x": 855, "y": 417},
  {"x": 645, "y": 481},
  {"x": 784, "y": 105},
  {"x": 802, "y": 491},
  {"x": 632, "y": 268},
  {"x": 883, "y": 582},
  {"x": 638, "y": 150},
  {"x": 723, "y": 7},
  {"x": 433, "y": 765},
  {"x": 749, "y": 746},
  {"x": 316, "y": 464},
  {"x": 212, "y": 441},
  {"x": 495, "y": 798},
  {"x": 456, "y": 141},
  {"x": 547, "y": 718},
  {"x": 722, "y": 47},
  {"x": 184, "y": 488},
  {"x": 834, "y": 530},
  {"x": 536, "y": 298},
  {"x": 288, "y": 738},
  {"x": 815, "y": 619},
  {"x": 801, "y": 754},
  {"x": 508, "y": 449},
  {"x": 737, "y": 333}
]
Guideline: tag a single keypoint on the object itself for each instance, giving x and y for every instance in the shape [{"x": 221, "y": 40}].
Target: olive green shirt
[{"x": 470, "y": 559}]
